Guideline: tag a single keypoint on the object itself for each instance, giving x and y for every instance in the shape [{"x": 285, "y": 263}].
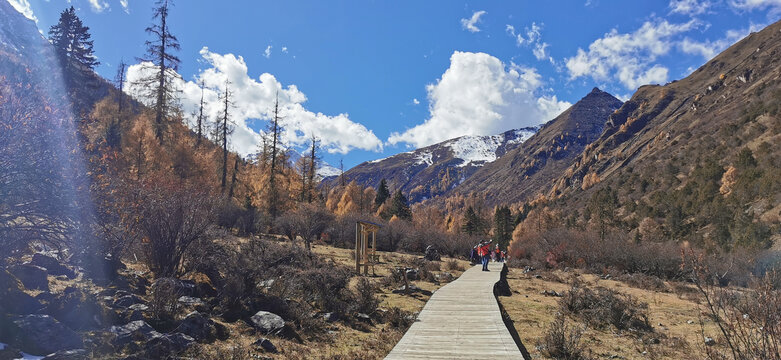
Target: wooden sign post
[{"x": 365, "y": 252}]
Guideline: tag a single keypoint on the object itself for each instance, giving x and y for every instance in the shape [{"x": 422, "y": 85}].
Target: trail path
[{"x": 462, "y": 320}]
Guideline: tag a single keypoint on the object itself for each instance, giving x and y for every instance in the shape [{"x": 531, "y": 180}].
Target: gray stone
[
  {"x": 199, "y": 327},
  {"x": 331, "y": 317},
  {"x": 52, "y": 265},
  {"x": 710, "y": 341},
  {"x": 137, "y": 330},
  {"x": 33, "y": 277},
  {"x": 166, "y": 345},
  {"x": 266, "y": 345},
  {"x": 126, "y": 301},
  {"x": 412, "y": 274},
  {"x": 42, "y": 335},
  {"x": 267, "y": 323},
  {"x": 13, "y": 298}
]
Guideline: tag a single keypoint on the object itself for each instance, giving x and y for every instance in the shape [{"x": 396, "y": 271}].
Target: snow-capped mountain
[{"x": 435, "y": 169}]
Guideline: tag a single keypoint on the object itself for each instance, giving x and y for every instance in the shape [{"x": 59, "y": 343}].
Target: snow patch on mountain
[
  {"x": 325, "y": 170},
  {"x": 425, "y": 157},
  {"x": 522, "y": 135}
]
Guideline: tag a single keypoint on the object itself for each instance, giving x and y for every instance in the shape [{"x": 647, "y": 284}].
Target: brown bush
[
  {"x": 453, "y": 265},
  {"x": 164, "y": 299},
  {"x": 365, "y": 296},
  {"x": 562, "y": 342},
  {"x": 604, "y": 307},
  {"x": 643, "y": 281}
]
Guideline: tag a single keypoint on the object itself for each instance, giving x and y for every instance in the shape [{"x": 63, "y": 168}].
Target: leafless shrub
[
  {"x": 399, "y": 319},
  {"x": 749, "y": 319},
  {"x": 604, "y": 307},
  {"x": 562, "y": 341},
  {"x": 164, "y": 298},
  {"x": 365, "y": 296},
  {"x": 643, "y": 281},
  {"x": 174, "y": 215},
  {"x": 453, "y": 265}
]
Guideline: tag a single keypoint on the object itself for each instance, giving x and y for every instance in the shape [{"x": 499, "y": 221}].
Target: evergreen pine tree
[
  {"x": 73, "y": 47},
  {"x": 400, "y": 206},
  {"x": 382, "y": 194},
  {"x": 503, "y": 226},
  {"x": 473, "y": 224}
]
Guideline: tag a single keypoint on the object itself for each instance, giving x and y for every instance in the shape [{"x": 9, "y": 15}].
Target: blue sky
[{"x": 375, "y": 78}]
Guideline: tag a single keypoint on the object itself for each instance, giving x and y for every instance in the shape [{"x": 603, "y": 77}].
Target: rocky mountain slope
[
  {"x": 430, "y": 171},
  {"x": 523, "y": 171}
]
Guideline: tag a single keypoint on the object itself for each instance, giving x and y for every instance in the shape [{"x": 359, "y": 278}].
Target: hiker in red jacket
[
  {"x": 498, "y": 254},
  {"x": 484, "y": 251}
]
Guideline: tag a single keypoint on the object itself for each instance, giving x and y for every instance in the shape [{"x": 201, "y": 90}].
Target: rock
[
  {"x": 363, "y": 317},
  {"x": 33, "y": 277},
  {"x": 13, "y": 298},
  {"x": 193, "y": 302},
  {"x": 412, "y": 274},
  {"x": 133, "y": 331},
  {"x": 654, "y": 341},
  {"x": 445, "y": 277},
  {"x": 126, "y": 301},
  {"x": 223, "y": 333},
  {"x": 7, "y": 353},
  {"x": 52, "y": 265},
  {"x": 690, "y": 322},
  {"x": 528, "y": 269},
  {"x": 42, "y": 335},
  {"x": 331, "y": 317},
  {"x": 710, "y": 341},
  {"x": 198, "y": 327},
  {"x": 163, "y": 346},
  {"x": 138, "y": 307},
  {"x": 266, "y": 284},
  {"x": 78, "y": 354},
  {"x": 267, "y": 323},
  {"x": 77, "y": 310},
  {"x": 551, "y": 293},
  {"x": 266, "y": 345},
  {"x": 538, "y": 276},
  {"x": 432, "y": 254}
]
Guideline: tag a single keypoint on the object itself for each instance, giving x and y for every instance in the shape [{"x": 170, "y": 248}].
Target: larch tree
[
  {"x": 200, "y": 118},
  {"x": 159, "y": 85},
  {"x": 225, "y": 128},
  {"x": 73, "y": 47},
  {"x": 312, "y": 168},
  {"x": 275, "y": 132}
]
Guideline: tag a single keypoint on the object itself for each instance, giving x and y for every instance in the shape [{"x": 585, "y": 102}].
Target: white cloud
[
  {"x": 471, "y": 23},
  {"x": 533, "y": 38},
  {"x": 629, "y": 57},
  {"x": 480, "y": 95},
  {"x": 98, "y": 5},
  {"x": 416, "y": 101},
  {"x": 689, "y": 7},
  {"x": 254, "y": 98},
  {"x": 23, "y": 6},
  {"x": 708, "y": 49},
  {"x": 125, "y": 6},
  {"x": 267, "y": 53},
  {"x": 284, "y": 49},
  {"x": 750, "y": 5}
]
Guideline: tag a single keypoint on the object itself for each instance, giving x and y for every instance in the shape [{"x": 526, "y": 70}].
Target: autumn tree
[
  {"x": 159, "y": 85},
  {"x": 312, "y": 168},
  {"x": 308, "y": 221},
  {"x": 274, "y": 132},
  {"x": 73, "y": 47},
  {"x": 200, "y": 119}
]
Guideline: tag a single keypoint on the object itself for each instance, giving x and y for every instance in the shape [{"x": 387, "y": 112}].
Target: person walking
[
  {"x": 485, "y": 253},
  {"x": 498, "y": 254}
]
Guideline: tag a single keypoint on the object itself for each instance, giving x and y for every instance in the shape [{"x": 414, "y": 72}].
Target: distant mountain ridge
[
  {"x": 522, "y": 171},
  {"x": 433, "y": 170}
]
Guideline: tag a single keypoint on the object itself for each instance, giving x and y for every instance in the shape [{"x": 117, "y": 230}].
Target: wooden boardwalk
[{"x": 462, "y": 320}]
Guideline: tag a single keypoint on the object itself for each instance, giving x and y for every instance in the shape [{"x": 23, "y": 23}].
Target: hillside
[
  {"x": 433, "y": 170},
  {"x": 524, "y": 171}
]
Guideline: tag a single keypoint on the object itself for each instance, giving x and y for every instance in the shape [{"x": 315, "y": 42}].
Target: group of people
[{"x": 483, "y": 253}]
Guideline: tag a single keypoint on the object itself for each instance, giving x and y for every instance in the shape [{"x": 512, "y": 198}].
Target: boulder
[
  {"x": 412, "y": 274},
  {"x": 364, "y": 318},
  {"x": 445, "y": 277},
  {"x": 76, "y": 309},
  {"x": 126, "y": 301},
  {"x": 42, "y": 335},
  {"x": 710, "y": 341},
  {"x": 432, "y": 254},
  {"x": 267, "y": 323},
  {"x": 166, "y": 345},
  {"x": 331, "y": 317},
  {"x": 266, "y": 345},
  {"x": 13, "y": 298},
  {"x": 198, "y": 327},
  {"x": 137, "y": 330},
  {"x": 77, "y": 354},
  {"x": 52, "y": 265},
  {"x": 194, "y": 302},
  {"x": 33, "y": 277}
]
